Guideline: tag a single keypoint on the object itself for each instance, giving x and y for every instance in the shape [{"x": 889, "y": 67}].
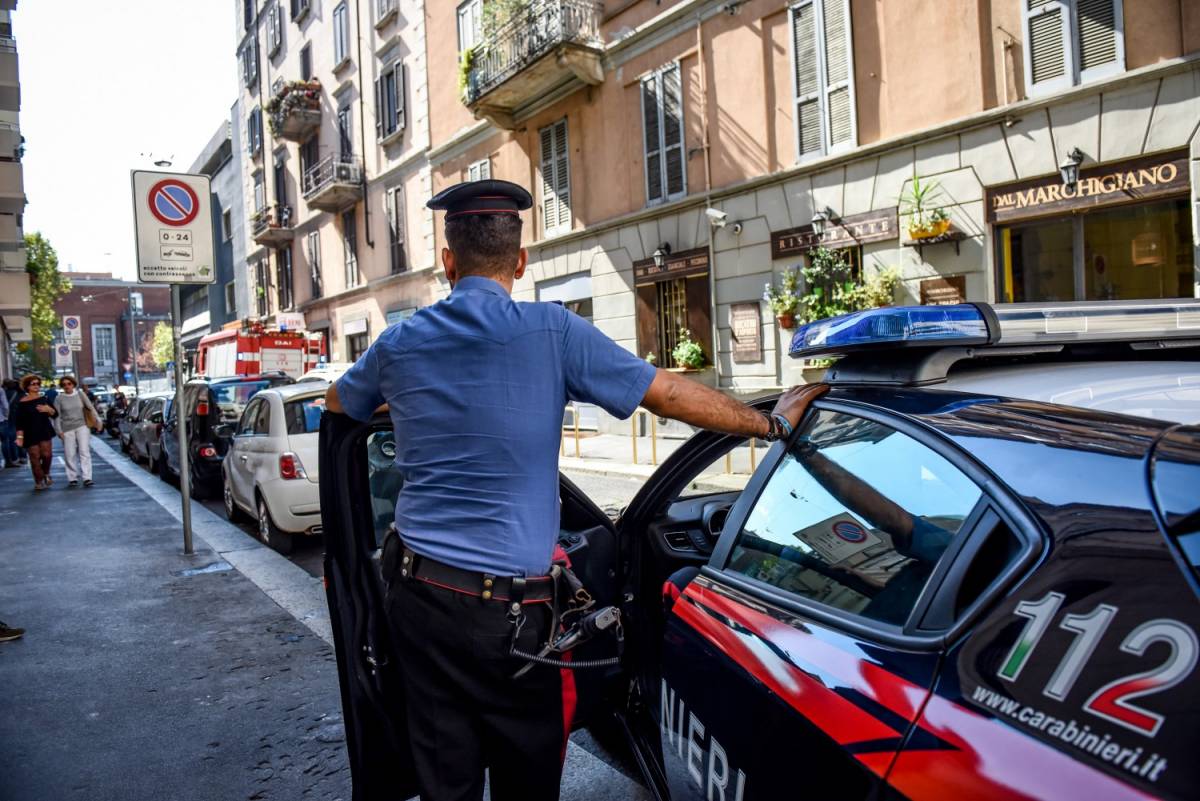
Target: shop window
[
  {"x": 823, "y": 77},
  {"x": 556, "y": 178},
  {"x": 669, "y": 302},
  {"x": 1071, "y": 42},
  {"x": 662, "y": 126},
  {"x": 1128, "y": 252}
]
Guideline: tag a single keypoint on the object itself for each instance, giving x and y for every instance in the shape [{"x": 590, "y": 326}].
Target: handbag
[{"x": 89, "y": 415}]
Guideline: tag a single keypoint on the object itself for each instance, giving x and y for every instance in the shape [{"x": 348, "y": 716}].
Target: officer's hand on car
[{"x": 794, "y": 403}]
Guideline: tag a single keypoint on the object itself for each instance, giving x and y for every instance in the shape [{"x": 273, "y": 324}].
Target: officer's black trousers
[{"x": 465, "y": 711}]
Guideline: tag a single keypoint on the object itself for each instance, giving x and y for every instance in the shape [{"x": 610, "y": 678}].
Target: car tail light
[
  {"x": 202, "y": 408},
  {"x": 290, "y": 467},
  {"x": 207, "y": 450}
]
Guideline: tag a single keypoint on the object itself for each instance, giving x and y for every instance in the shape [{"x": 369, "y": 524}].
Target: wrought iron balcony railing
[
  {"x": 528, "y": 36},
  {"x": 333, "y": 183},
  {"x": 272, "y": 225}
]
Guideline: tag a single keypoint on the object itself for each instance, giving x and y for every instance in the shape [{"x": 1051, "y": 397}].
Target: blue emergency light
[{"x": 896, "y": 326}]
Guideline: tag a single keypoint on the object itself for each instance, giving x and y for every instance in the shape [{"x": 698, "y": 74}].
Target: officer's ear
[
  {"x": 522, "y": 261},
  {"x": 449, "y": 265}
]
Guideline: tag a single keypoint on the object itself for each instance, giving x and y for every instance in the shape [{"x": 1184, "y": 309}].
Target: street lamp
[
  {"x": 821, "y": 220},
  {"x": 660, "y": 255},
  {"x": 1069, "y": 169}
]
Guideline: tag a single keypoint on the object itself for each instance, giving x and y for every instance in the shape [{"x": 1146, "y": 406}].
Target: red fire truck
[{"x": 253, "y": 349}]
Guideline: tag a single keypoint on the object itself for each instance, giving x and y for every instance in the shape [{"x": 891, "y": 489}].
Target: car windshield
[
  {"x": 303, "y": 416},
  {"x": 232, "y": 398}
]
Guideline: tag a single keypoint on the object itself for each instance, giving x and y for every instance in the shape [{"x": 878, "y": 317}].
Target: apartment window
[
  {"x": 226, "y": 225},
  {"x": 254, "y": 132},
  {"x": 262, "y": 287},
  {"x": 662, "y": 122},
  {"x": 249, "y": 57},
  {"x": 248, "y": 14},
  {"x": 300, "y": 8},
  {"x": 274, "y": 29},
  {"x": 306, "y": 72},
  {"x": 283, "y": 277},
  {"x": 357, "y": 344},
  {"x": 389, "y": 101},
  {"x": 383, "y": 8},
  {"x": 314, "y": 263},
  {"x": 260, "y": 191},
  {"x": 470, "y": 22},
  {"x": 394, "y": 213},
  {"x": 310, "y": 154},
  {"x": 350, "y": 247},
  {"x": 230, "y": 300},
  {"x": 280, "y": 180},
  {"x": 556, "y": 178},
  {"x": 1071, "y": 42},
  {"x": 104, "y": 345},
  {"x": 823, "y": 66},
  {"x": 345, "y": 133},
  {"x": 341, "y": 34},
  {"x": 480, "y": 170}
]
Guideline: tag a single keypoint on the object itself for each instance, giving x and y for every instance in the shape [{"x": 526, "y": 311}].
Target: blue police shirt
[{"x": 476, "y": 385}]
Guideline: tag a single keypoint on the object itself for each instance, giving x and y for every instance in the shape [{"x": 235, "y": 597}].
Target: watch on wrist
[{"x": 774, "y": 432}]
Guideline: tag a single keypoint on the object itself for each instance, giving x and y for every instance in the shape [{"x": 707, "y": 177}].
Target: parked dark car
[
  {"x": 209, "y": 403},
  {"x": 143, "y": 436},
  {"x": 127, "y": 421},
  {"x": 971, "y": 572}
]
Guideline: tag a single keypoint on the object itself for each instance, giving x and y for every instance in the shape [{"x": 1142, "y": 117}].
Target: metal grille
[{"x": 672, "y": 316}]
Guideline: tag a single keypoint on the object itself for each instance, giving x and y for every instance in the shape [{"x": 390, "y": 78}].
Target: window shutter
[
  {"x": 653, "y": 139},
  {"x": 672, "y": 113},
  {"x": 1100, "y": 35},
  {"x": 399, "y": 101},
  {"x": 837, "y": 72},
  {"x": 1048, "y": 53},
  {"x": 550, "y": 211},
  {"x": 562, "y": 175},
  {"x": 379, "y": 126},
  {"x": 808, "y": 80}
]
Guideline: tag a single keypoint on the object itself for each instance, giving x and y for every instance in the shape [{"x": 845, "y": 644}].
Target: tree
[
  {"x": 46, "y": 286},
  {"x": 162, "y": 345}
]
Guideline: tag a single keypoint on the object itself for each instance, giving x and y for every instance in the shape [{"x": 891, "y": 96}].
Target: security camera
[{"x": 716, "y": 217}]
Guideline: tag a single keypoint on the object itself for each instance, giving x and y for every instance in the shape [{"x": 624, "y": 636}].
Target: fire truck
[{"x": 252, "y": 348}]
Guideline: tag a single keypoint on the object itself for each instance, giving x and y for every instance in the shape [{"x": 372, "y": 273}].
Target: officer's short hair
[{"x": 485, "y": 244}]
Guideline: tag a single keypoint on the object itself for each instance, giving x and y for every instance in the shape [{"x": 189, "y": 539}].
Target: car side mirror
[{"x": 225, "y": 430}]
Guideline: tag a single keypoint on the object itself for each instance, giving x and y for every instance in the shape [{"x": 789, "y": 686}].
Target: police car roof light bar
[
  {"x": 890, "y": 327},
  {"x": 1098, "y": 321}
]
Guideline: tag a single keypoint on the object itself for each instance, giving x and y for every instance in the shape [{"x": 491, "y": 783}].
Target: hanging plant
[
  {"x": 831, "y": 289},
  {"x": 927, "y": 217}
]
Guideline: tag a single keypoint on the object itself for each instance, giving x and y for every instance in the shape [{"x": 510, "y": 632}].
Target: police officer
[{"x": 475, "y": 385}]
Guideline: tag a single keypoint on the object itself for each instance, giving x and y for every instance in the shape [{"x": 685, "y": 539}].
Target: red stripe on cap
[{"x": 454, "y": 214}]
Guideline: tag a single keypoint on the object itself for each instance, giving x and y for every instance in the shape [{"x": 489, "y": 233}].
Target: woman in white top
[{"x": 73, "y": 427}]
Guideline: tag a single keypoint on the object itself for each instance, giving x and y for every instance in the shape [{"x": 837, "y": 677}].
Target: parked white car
[
  {"x": 329, "y": 371},
  {"x": 270, "y": 470}
]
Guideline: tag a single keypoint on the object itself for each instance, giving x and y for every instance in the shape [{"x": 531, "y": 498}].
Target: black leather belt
[{"x": 485, "y": 586}]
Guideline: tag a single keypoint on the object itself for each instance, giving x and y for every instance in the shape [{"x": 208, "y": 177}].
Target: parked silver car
[{"x": 270, "y": 471}]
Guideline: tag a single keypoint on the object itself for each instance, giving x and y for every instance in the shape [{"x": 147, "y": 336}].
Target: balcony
[
  {"x": 11, "y": 146},
  {"x": 550, "y": 46},
  {"x": 272, "y": 226},
  {"x": 12, "y": 188},
  {"x": 10, "y": 83},
  {"x": 333, "y": 184},
  {"x": 15, "y": 304},
  {"x": 294, "y": 110},
  {"x": 12, "y": 244}
]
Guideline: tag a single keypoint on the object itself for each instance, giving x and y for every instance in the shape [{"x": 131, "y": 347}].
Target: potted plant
[
  {"x": 832, "y": 289},
  {"x": 785, "y": 299},
  {"x": 687, "y": 352},
  {"x": 927, "y": 218}
]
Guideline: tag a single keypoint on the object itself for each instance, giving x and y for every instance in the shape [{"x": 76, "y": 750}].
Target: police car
[{"x": 970, "y": 573}]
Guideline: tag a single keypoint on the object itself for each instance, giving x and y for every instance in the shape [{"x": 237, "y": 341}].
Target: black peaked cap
[{"x": 481, "y": 197}]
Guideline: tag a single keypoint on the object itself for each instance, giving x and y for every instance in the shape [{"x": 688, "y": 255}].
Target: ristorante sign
[
  {"x": 855, "y": 229},
  {"x": 1110, "y": 184}
]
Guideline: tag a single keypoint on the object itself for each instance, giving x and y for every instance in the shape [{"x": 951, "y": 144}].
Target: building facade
[
  {"x": 117, "y": 319},
  {"x": 334, "y": 137},
  {"x": 682, "y": 154},
  {"x": 15, "y": 323}
]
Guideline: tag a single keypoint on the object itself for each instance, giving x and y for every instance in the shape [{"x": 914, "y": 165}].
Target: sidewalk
[
  {"x": 613, "y": 454},
  {"x": 147, "y": 674}
]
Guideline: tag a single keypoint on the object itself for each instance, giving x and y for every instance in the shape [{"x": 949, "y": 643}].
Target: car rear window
[
  {"x": 232, "y": 398},
  {"x": 303, "y": 416}
]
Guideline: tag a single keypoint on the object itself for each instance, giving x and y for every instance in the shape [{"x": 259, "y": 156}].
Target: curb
[{"x": 299, "y": 594}]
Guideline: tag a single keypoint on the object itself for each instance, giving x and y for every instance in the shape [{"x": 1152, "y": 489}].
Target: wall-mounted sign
[
  {"x": 1105, "y": 185},
  {"x": 878, "y": 225},
  {"x": 944, "y": 291},
  {"x": 676, "y": 265},
  {"x": 290, "y": 321},
  {"x": 745, "y": 323}
]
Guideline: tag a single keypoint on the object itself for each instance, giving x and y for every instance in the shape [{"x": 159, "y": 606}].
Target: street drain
[{"x": 211, "y": 567}]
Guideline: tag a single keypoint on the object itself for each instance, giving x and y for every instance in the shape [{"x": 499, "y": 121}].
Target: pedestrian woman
[
  {"x": 76, "y": 419},
  {"x": 32, "y": 417}
]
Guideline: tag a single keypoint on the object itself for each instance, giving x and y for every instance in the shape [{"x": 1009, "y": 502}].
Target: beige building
[
  {"x": 632, "y": 119},
  {"x": 336, "y": 132},
  {"x": 15, "y": 324}
]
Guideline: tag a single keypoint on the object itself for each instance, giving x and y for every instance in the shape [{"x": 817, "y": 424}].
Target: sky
[{"x": 104, "y": 86}]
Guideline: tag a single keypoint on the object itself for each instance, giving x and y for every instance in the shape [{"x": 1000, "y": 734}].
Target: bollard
[
  {"x": 654, "y": 439},
  {"x": 753, "y": 463},
  {"x": 729, "y": 463}
]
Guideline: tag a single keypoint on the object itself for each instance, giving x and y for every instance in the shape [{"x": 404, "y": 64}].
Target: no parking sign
[{"x": 172, "y": 218}]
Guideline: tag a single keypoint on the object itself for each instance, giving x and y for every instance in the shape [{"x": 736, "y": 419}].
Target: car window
[
  {"x": 246, "y": 424},
  {"x": 232, "y": 398},
  {"x": 855, "y": 516},
  {"x": 303, "y": 416},
  {"x": 262, "y": 421}
]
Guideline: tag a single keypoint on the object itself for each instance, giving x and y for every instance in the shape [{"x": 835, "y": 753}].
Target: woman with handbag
[
  {"x": 31, "y": 416},
  {"x": 76, "y": 420}
]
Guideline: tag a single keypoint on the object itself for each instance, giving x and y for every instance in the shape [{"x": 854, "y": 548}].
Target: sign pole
[{"x": 181, "y": 417}]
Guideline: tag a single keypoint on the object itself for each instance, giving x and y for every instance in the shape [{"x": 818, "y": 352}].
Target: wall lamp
[
  {"x": 660, "y": 255},
  {"x": 821, "y": 219},
  {"x": 1069, "y": 169}
]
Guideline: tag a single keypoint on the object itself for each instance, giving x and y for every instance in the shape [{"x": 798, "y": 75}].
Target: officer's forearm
[{"x": 681, "y": 399}]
